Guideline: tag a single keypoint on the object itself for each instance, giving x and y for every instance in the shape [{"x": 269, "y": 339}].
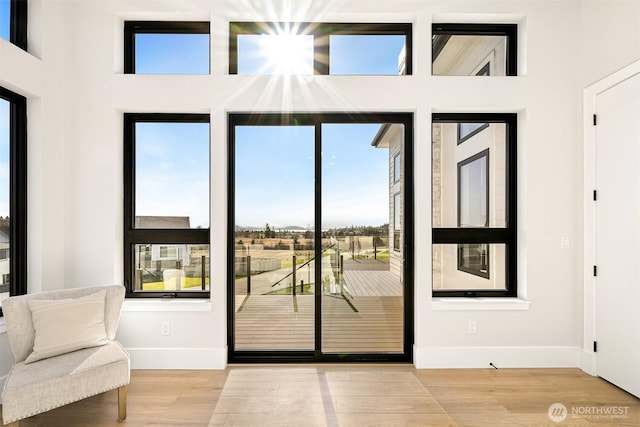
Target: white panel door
[{"x": 618, "y": 235}]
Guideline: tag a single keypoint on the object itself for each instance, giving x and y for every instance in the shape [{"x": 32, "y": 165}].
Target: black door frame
[{"x": 317, "y": 120}]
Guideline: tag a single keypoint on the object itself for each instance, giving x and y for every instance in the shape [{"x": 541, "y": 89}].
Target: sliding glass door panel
[
  {"x": 362, "y": 284},
  {"x": 274, "y": 238}
]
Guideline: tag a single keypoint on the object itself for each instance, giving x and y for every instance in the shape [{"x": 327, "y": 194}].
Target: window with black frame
[
  {"x": 307, "y": 48},
  {"x": 473, "y": 211},
  {"x": 166, "y": 225},
  {"x": 474, "y": 206},
  {"x": 13, "y": 200},
  {"x": 13, "y": 22},
  {"x": 166, "y": 47},
  {"x": 474, "y": 49}
]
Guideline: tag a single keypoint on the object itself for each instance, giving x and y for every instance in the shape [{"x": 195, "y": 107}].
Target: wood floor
[{"x": 354, "y": 395}]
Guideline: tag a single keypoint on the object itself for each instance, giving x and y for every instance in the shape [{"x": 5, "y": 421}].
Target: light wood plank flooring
[{"x": 353, "y": 395}]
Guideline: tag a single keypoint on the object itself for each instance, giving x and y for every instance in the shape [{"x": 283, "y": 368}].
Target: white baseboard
[
  {"x": 424, "y": 358},
  {"x": 178, "y": 358},
  {"x": 501, "y": 357}
]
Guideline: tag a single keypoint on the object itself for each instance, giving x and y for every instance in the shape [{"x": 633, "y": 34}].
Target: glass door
[
  {"x": 320, "y": 223},
  {"x": 362, "y": 283},
  {"x": 273, "y": 238}
]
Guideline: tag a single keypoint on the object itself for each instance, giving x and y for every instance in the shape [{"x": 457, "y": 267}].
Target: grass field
[{"x": 188, "y": 283}]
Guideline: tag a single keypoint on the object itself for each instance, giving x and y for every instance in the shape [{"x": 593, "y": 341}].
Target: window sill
[
  {"x": 484, "y": 304},
  {"x": 167, "y": 305}
]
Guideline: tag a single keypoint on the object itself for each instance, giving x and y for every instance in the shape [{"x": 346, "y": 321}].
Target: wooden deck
[
  {"x": 284, "y": 322},
  {"x": 377, "y": 326},
  {"x": 372, "y": 283},
  {"x": 271, "y": 322}
]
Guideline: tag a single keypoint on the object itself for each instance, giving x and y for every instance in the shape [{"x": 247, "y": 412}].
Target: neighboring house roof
[
  {"x": 377, "y": 140},
  {"x": 4, "y": 238},
  {"x": 386, "y": 134},
  {"x": 163, "y": 222}
]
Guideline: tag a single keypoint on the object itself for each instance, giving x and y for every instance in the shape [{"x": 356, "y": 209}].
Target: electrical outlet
[
  {"x": 165, "y": 328},
  {"x": 472, "y": 327}
]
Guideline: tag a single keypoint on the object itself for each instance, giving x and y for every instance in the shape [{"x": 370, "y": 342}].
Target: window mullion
[
  {"x": 471, "y": 235},
  {"x": 167, "y": 236}
]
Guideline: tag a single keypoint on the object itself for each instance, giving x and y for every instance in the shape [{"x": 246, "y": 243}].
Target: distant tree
[{"x": 269, "y": 232}]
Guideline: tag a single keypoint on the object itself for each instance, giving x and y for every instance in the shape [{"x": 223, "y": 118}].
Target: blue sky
[
  {"x": 349, "y": 54},
  {"x": 275, "y": 176},
  {"x": 274, "y": 164},
  {"x": 4, "y": 18},
  {"x": 355, "y": 176},
  {"x": 172, "y": 171},
  {"x": 353, "y": 54},
  {"x": 172, "y": 54}
]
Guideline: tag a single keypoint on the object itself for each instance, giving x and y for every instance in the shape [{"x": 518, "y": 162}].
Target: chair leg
[{"x": 122, "y": 403}]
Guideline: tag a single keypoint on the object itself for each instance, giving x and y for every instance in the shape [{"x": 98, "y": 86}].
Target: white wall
[
  {"x": 547, "y": 100},
  {"x": 610, "y": 41},
  {"x": 41, "y": 81},
  {"x": 610, "y": 37},
  {"x": 77, "y": 96}
]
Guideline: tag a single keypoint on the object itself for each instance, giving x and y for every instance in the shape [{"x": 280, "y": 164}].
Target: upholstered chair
[{"x": 65, "y": 350}]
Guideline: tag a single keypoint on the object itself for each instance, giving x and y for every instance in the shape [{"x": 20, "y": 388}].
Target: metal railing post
[
  {"x": 375, "y": 248},
  {"x": 341, "y": 273},
  {"x": 203, "y": 273},
  {"x": 248, "y": 274},
  {"x": 293, "y": 280}
]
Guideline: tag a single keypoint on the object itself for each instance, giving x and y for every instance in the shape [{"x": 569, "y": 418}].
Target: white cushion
[{"x": 62, "y": 326}]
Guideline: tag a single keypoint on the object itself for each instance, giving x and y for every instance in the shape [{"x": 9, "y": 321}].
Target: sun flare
[{"x": 288, "y": 53}]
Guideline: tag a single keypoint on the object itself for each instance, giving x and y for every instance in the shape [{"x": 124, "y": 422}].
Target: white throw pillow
[{"x": 62, "y": 326}]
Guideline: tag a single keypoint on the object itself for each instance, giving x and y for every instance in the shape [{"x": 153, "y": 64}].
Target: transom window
[
  {"x": 474, "y": 205},
  {"x": 474, "y": 49},
  {"x": 166, "y": 47},
  {"x": 286, "y": 48},
  {"x": 13, "y": 22},
  {"x": 166, "y": 244}
]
